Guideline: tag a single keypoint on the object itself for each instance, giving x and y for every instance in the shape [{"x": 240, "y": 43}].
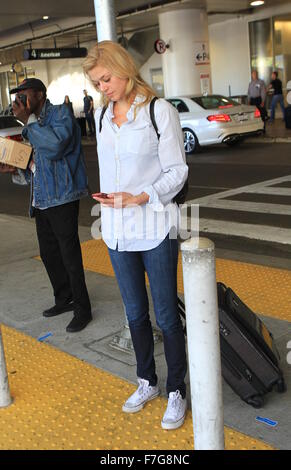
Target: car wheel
[{"x": 191, "y": 143}]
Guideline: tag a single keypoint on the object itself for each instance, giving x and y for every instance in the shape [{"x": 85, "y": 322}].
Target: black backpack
[{"x": 180, "y": 198}]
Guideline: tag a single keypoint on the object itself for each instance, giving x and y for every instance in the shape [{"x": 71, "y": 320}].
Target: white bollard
[
  {"x": 198, "y": 258},
  {"x": 5, "y": 397}
]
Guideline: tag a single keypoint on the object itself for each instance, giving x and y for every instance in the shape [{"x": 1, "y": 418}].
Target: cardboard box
[{"x": 14, "y": 153}]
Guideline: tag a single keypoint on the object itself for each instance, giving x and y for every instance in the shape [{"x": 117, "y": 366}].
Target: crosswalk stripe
[
  {"x": 245, "y": 206},
  {"x": 203, "y": 201},
  {"x": 250, "y": 231},
  {"x": 272, "y": 191}
]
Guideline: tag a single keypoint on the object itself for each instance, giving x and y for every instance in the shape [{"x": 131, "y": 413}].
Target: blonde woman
[{"x": 140, "y": 174}]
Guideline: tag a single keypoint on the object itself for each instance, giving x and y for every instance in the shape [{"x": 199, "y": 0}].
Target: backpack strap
[
  {"x": 101, "y": 117},
  {"x": 152, "y": 116}
]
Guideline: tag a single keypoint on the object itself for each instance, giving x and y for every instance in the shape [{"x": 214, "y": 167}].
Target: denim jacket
[{"x": 60, "y": 172}]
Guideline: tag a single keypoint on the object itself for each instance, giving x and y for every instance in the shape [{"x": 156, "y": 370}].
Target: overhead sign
[
  {"x": 201, "y": 53},
  {"x": 161, "y": 46},
  {"x": 44, "y": 54}
]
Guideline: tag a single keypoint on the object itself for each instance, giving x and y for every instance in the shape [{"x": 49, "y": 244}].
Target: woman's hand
[{"x": 123, "y": 199}]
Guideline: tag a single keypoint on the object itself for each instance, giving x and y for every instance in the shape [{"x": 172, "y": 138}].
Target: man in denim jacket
[{"x": 58, "y": 180}]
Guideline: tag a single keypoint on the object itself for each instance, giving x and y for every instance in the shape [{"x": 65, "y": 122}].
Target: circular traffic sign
[{"x": 160, "y": 46}]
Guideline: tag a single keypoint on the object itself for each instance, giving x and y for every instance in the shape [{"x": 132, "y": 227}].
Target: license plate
[{"x": 244, "y": 117}]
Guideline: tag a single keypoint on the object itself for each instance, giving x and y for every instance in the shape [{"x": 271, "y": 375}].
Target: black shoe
[
  {"x": 57, "y": 310},
  {"x": 78, "y": 324}
]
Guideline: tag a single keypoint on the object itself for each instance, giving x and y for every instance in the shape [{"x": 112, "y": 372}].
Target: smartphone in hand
[
  {"x": 99, "y": 195},
  {"x": 22, "y": 98}
]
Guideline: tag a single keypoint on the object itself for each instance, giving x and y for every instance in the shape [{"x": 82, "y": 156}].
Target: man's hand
[
  {"x": 20, "y": 111},
  {"x": 7, "y": 168}
]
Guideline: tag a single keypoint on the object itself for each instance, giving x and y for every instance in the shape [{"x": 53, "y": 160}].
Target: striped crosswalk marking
[{"x": 251, "y": 231}]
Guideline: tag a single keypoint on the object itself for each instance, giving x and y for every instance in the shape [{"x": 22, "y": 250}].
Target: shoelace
[
  {"x": 175, "y": 400},
  {"x": 143, "y": 384}
]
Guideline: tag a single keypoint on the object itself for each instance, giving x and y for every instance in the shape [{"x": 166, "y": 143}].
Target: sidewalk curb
[
  {"x": 269, "y": 140},
  {"x": 251, "y": 140},
  {"x": 258, "y": 140}
]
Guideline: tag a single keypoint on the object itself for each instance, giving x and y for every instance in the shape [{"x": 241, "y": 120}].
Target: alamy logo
[{"x": 144, "y": 223}]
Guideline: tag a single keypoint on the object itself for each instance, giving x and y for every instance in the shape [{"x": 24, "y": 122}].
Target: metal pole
[
  {"x": 5, "y": 397},
  {"x": 198, "y": 258},
  {"x": 105, "y": 20}
]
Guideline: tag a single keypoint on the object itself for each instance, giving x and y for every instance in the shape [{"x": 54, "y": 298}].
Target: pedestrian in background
[
  {"x": 58, "y": 180},
  {"x": 141, "y": 173},
  {"x": 89, "y": 112},
  {"x": 69, "y": 103},
  {"x": 257, "y": 95},
  {"x": 276, "y": 87}
]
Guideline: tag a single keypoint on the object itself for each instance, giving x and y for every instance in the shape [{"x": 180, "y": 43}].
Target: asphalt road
[{"x": 213, "y": 170}]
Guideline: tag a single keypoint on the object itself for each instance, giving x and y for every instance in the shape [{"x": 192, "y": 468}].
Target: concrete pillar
[
  {"x": 186, "y": 64},
  {"x": 105, "y": 20}
]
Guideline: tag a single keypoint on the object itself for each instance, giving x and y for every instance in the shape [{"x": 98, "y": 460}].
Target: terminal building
[{"x": 211, "y": 45}]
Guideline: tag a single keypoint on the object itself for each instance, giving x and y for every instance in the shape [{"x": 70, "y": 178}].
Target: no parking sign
[{"x": 161, "y": 46}]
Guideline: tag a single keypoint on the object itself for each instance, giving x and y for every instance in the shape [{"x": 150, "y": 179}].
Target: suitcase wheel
[
  {"x": 256, "y": 402},
  {"x": 281, "y": 386}
]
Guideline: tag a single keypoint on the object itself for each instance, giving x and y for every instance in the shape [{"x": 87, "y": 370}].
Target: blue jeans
[
  {"x": 160, "y": 264},
  {"x": 275, "y": 100},
  {"x": 91, "y": 122}
]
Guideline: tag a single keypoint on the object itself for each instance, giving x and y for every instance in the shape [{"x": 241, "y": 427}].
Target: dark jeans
[
  {"x": 275, "y": 100},
  {"x": 160, "y": 264},
  {"x": 60, "y": 251},
  {"x": 91, "y": 122}
]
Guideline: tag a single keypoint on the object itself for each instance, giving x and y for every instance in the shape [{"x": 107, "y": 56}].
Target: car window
[
  {"x": 180, "y": 105},
  {"x": 9, "y": 121},
  {"x": 214, "y": 102}
]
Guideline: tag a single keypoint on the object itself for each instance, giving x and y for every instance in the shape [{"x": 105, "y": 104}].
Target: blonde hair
[{"x": 120, "y": 63}]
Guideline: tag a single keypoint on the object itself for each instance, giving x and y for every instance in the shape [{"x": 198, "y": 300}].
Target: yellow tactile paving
[
  {"x": 265, "y": 290},
  {"x": 61, "y": 402}
]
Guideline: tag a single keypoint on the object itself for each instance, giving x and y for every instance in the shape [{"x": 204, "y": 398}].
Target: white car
[
  {"x": 11, "y": 128},
  {"x": 215, "y": 119}
]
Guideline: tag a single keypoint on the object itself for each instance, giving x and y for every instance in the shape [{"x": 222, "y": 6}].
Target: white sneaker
[
  {"x": 176, "y": 411},
  {"x": 140, "y": 397}
]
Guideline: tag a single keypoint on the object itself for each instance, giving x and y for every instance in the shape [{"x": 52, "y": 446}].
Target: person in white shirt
[{"x": 140, "y": 174}]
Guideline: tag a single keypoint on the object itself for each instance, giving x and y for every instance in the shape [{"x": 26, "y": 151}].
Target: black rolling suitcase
[
  {"x": 249, "y": 359},
  {"x": 288, "y": 117}
]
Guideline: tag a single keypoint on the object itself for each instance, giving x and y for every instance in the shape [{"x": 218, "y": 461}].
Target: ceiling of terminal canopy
[{"x": 131, "y": 14}]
